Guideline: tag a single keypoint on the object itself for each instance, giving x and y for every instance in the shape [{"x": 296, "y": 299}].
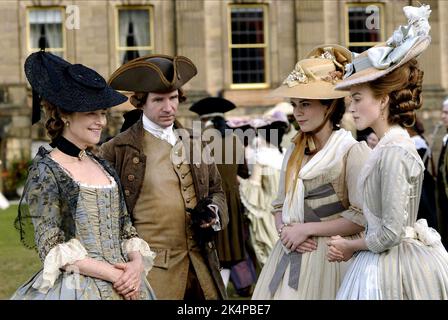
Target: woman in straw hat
[
  {"x": 398, "y": 258},
  {"x": 317, "y": 196},
  {"x": 82, "y": 230}
]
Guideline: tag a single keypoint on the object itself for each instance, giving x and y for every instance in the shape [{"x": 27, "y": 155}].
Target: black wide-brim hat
[
  {"x": 212, "y": 106},
  {"x": 70, "y": 87},
  {"x": 157, "y": 73}
]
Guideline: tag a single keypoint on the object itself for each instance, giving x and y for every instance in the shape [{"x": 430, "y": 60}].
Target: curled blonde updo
[
  {"x": 138, "y": 99},
  {"x": 54, "y": 123},
  {"x": 404, "y": 88}
]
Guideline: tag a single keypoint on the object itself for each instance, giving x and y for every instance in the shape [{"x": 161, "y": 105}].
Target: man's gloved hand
[{"x": 202, "y": 217}]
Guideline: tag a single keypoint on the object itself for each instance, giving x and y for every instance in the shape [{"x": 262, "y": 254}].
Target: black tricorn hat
[
  {"x": 212, "y": 106},
  {"x": 156, "y": 73},
  {"x": 71, "y": 87}
]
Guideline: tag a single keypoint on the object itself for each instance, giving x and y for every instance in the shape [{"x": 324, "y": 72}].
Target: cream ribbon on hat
[{"x": 398, "y": 45}]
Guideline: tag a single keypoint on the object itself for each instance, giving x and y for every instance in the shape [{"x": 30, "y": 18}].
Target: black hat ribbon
[{"x": 54, "y": 82}]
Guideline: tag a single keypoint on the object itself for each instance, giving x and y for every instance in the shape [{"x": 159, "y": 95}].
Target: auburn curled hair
[
  {"x": 404, "y": 88},
  {"x": 138, "y": 99},
  {"x": 54, "y": 123}
]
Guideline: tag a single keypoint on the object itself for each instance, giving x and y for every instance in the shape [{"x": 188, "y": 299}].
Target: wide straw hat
[
  {"x": 315, "y": 76},
  {"x": 406, "y": 43}
]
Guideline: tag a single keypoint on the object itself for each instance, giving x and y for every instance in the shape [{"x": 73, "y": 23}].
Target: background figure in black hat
[
  {"x": 427, "y": 207},
  {"x": 82, "y": 230},
  {"x": 177, "y": 204},
  {"x": 260, "y": 190},
  {"x": 442, "y": 180},
  {"x": 230, "y": 161},
  {"x": 286, "y": 108}
]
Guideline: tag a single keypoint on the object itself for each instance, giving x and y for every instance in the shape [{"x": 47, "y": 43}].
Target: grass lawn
[{"x": 17, "y": 263}]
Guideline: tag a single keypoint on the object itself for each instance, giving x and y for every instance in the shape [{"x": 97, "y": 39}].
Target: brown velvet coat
[{"x": 125, "y": 153}]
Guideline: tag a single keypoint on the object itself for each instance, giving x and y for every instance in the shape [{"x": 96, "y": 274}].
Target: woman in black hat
[{"x": 82, "y": 231}]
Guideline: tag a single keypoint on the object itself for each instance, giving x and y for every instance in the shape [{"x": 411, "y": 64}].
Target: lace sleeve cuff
[
  {"x": 140, "y": 245},
  {"x": 217, "y": 225},
  {"x": 58, "y": 257}
]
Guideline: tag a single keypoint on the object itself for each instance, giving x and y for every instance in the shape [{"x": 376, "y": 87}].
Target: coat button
[
  {"x": 178, "y": 166},
  {"x": 184, "y": 188},
  {"x": 127, "y": 193},
  {"x": 188, "y": 200},
  {"x": 135, "y": 160},
  {"x": 210, "y": 245},
  {"x": 190, "y": 237},
  {"x": 183, "y": 176},
  {"x": 131, "y": 177}
]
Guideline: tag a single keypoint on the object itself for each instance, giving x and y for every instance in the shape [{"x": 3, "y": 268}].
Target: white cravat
[
  {"x": 445, "y": 139},
  {"x": 165, "y": 134}
]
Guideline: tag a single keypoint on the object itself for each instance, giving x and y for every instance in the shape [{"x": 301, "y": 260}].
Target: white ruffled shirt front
[{"x": 165, "y": 134}]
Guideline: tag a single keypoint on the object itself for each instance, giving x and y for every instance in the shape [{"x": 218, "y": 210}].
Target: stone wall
[{"x": 199, "y": 30}]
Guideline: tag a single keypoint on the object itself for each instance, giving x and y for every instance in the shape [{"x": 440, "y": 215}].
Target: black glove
[{"x": 199, "y": 215}]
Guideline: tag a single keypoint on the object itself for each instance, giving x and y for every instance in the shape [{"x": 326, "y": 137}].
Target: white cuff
[
  {"x": 140, "y": 245},
  {"x": 61, "y": 255},
  {"x": 217, "y": 225}
]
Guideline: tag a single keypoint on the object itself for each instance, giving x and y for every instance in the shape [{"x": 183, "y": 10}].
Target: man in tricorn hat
[{"x": 176, "y": 203}]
